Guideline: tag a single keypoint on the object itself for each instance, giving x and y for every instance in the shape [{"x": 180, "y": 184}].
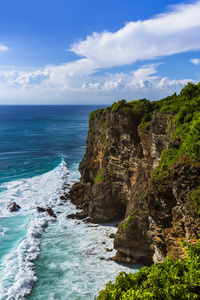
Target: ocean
[{"x": 42, "y": 257}]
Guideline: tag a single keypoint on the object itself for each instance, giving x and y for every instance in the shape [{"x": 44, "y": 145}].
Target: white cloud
[
  {"x": 21, "y": 79},
  {"x": 137, "y": 84},
  {"x": 195, "y": 61},
  {"x": 31, "y": 79},
  {"x": 50, "y": 85},
  {"x": 146, "y": 71},
  {"x": 141, "y": 81},
  {"x": 3, "y": 48},
  {"x": 174, "y": 32}
]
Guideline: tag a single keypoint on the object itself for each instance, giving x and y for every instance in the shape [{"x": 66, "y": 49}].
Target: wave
[
  {"x": 18, "y": 275},
  {"x": 22, "y": 166}
]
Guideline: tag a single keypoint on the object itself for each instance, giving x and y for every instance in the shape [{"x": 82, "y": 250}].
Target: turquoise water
[{"x": 40, "y": 257}]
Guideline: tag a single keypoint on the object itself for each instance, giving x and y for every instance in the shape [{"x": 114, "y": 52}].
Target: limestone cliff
[{"x": 117, "y": 184}]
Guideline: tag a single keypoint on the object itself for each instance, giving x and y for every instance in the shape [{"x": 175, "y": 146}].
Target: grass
[
  {"x": 99, "y": 177},
  {"x": 131, "y": 217}
]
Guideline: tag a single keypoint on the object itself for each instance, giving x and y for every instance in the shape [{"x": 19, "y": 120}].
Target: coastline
[{"x": 125, "y": 177}]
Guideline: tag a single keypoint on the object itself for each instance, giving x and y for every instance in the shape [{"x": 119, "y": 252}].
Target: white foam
[
  {"x": 72, "y": 248},
  {"x": 44, "y": 190},
  {"x": 3, "y": 230},
  {"x": 29, "y": 193},
  {"x": 76, "y": 251}
]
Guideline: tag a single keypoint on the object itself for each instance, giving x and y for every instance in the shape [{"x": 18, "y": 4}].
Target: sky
[{"x": 97, "y": 52}]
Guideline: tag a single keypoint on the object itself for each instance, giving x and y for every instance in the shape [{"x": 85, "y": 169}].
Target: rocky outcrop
[
  {"x": 115, "y": 182},
  {"x": 12, "y": 207},
  {"x": 47, "y": 210}
]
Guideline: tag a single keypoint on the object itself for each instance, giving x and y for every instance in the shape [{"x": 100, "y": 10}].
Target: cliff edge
[{"x": 135, "y": 170}]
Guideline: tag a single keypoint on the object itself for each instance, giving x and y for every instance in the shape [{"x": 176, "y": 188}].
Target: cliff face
[{"x": 115, "y": 184}]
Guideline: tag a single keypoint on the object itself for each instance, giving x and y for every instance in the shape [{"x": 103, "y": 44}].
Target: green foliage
[
  {"x": 195, "y": 197},
  {"x": 106, "y": 141},
  {"x": 144, "y": 124},
  {"x": 187, "y": 123},
  {"x": 168, "y": 156},
  {"x": 118, "y": 105},
  {"x": 103, "y": 126},
  {"x": 139, "y": 111},
  {"x": 190, "y": 91},
  {"x": 131, "y": 217},
  {"x": 99, "y": 177},
  {"x": 160, "y": 174},
  {"x": 184, "y": 105},
  {"x": 169, "y": 280},
  {"x": 191, "y": 144},
  {"x": 97, "y": 112},
  {"x": 159, "y": 105}
]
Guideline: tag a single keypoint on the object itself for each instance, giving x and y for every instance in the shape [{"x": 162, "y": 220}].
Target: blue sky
[{"x": 96, "y": 52}]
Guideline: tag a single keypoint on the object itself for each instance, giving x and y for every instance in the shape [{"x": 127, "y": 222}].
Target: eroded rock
[
  {"x": 48, "y": 210},
  {"x": 12, "y": 207},
  {"x": 115, "y": 182}
]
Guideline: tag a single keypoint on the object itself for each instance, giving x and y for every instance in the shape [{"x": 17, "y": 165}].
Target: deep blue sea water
[{"x": 40, "y": 258}]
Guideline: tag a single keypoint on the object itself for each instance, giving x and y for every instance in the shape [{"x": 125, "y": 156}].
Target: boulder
[
  {"x": 13, "y": 207},
  {"x": 48, "y": 210}
]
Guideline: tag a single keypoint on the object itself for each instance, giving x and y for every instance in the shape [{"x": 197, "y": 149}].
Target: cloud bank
[{"x": 176, "y": 31}]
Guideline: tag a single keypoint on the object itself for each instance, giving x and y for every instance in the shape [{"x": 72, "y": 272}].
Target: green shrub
[
  {"x": 191, "y": 144},
  {"x": 168, "y": 280},
  {"x": 195, "y": 197},
  {"x": 144, "y": 124},
  {"x": 118, "y": 105},
  {"x": 168, "y": 156},
  {"x": 139, "y": 111},
  {"x": 187, "y": 124},
  {"x": 97, "y": 112},
  {"x": 131, "y": 217}
]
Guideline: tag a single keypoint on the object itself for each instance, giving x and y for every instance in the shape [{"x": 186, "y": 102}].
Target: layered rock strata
[{"x": 115, "y": 184}]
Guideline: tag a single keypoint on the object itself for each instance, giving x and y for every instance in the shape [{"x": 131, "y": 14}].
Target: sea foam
[
  {"x": 17, "y": 268},
  {"x": 71, "y": 251}
]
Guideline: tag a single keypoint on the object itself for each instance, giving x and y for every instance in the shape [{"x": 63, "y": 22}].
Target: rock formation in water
[
  {"x": 12, "y": 207},
  {"x": 119, "y": 182},
  {"x": 47, "y": 210}
]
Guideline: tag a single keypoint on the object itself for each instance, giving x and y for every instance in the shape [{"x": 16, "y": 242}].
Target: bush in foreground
[{"x": 169, "y": 280}]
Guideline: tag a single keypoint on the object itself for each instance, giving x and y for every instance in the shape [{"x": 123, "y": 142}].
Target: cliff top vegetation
[
  {"x": 185, "y": 109},
  {"x": 168, "y": 280}
]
